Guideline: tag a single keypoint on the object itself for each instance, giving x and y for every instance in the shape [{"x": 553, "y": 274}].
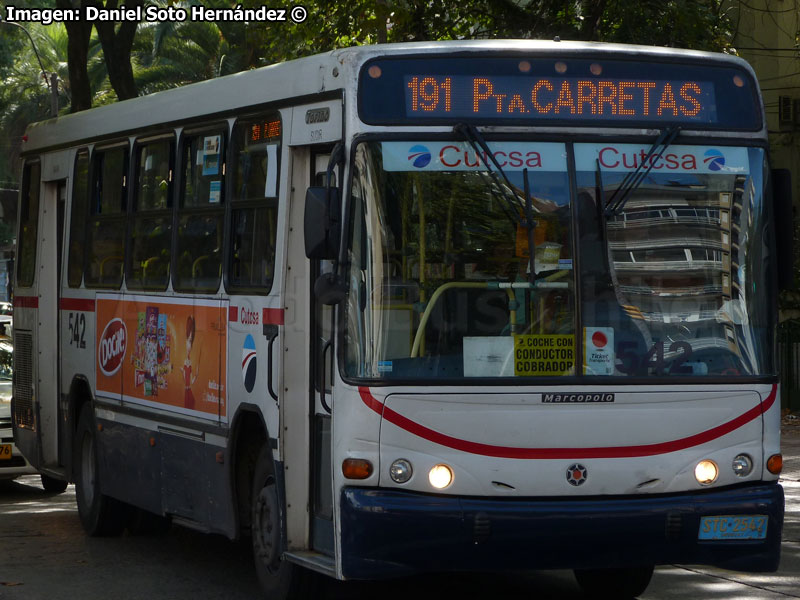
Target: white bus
[{"x": 404, "y": 308}]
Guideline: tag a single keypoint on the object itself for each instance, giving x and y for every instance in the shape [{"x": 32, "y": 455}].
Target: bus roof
[{"x": 301, "y": 78}]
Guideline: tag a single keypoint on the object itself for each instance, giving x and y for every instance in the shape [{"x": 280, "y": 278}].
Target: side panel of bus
[{"x": 181, "y": 385}]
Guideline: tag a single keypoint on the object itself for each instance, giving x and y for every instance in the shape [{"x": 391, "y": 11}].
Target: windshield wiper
[
  {"x": 473, "y": 137},
  {"x": 481, "y": 148},
  {"x": 634, "y": 178}
]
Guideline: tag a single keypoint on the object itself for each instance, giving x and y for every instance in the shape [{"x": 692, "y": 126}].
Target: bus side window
[
  {"x": 254, "y": 203},
  {"x": 151, "y": 227},
  {"x": 106, "y": 233},
  {"x": 77, "y": 221},
  {"x": 28, "y": 224},
  {"x": 201, "y": 212}
]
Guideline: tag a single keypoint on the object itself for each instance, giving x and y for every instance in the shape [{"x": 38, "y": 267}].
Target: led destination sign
[
  {"x": 559, "y": 98},
  {"x": 577, "y": 90}
]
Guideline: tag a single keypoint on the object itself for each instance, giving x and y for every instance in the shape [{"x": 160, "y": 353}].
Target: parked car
[{"x": 12, "y": 463}]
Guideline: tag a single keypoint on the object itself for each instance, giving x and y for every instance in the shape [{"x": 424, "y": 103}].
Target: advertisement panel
[{"x": 163, "y": 351}]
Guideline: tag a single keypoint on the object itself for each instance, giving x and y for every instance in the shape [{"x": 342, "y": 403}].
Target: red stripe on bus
[
  {"x": 273, "y": 316},
  {"x": 81, "y": 304},
  {"x": 26, "y": 301},
  {"x": 566, "y": 453},
  {"x": 233, "y": 314}
]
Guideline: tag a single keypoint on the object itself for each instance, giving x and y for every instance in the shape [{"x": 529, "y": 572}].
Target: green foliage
[{"x": 698, "y": 24}]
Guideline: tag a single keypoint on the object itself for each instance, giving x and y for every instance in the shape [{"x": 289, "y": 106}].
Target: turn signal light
[
  {"x": 356, "y": 468},
  {"x": 775, "y": 464}
]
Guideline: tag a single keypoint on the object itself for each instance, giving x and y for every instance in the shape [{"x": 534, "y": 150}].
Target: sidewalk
[{"x": 790, "y": 448}]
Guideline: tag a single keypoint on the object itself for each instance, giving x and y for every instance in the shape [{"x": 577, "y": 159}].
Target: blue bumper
[{"x": 386, "y": 533}]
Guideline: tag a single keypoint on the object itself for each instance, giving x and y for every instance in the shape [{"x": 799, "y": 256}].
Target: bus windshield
[{"x": 441, "y": 284}]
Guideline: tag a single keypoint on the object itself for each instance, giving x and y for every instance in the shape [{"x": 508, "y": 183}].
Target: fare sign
[{"x": 559, "y": 98}]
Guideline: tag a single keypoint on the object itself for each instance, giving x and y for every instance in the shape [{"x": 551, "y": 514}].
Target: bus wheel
[
  {"x": 617, "y": 584},
  {"x": 53, "y": 485},
  {"x": 100, "y": 515},
  {"x": 280, "y": 579}
]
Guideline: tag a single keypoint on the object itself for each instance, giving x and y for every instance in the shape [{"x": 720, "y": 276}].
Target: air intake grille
[{"x": 23, "y": 379}]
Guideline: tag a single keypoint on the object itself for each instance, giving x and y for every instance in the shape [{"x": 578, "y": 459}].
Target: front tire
[
  {"x": 53, "y": 485},
  {"x": 100, "y": 515},
  {"x": 614, "y": 584},
  {"x": 280, "y": 579}
]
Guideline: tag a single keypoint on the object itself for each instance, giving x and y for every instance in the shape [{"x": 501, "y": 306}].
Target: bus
[{"x": 474, "y": 305}]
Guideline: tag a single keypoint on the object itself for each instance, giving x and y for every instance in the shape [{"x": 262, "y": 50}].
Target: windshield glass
[
  {"x": 440, "y": 284},
  {"x": 683, "y": 286}
]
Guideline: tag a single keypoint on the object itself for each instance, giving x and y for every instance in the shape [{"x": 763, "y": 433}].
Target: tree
[
  {"x": 24, "y": 93},
  {"x": 79, "y": 33},
  {"x": 117, "y": 42},
  {"x": 698, "y": 24}
]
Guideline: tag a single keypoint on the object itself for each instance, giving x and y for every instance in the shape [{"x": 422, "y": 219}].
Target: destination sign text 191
[{"x": 559, "y": 98}]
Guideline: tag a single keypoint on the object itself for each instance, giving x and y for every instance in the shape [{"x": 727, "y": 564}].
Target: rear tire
[
  {"x": 280, "y": 579},
  {"x": 614, "y": 584},
  {"x": 53, "y": 485},
  {"x": 100, "y": 515}
]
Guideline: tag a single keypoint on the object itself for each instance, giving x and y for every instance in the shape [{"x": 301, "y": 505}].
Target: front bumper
[{"x": 386, "y": 533}]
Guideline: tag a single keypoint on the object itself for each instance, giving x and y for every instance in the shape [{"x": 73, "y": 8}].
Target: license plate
[
  {"x": 5, "y": 451},
  {"x": 733, "y": 527}
]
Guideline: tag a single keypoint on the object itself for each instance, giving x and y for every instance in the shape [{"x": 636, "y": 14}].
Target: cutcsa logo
[
  {"x": 714, "y": 159},
  {"x": 419, "y": 156},
  {"x": 249, "y": 363}
]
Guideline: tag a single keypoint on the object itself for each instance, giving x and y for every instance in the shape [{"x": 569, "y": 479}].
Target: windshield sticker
[
  {"x": 538, "y": 355},
  {"x": 701, "y": 160},
  {"x": 598, "y": 348},
  {"x": 461, "y": 156},
  {"x": 489, "y": 356}
]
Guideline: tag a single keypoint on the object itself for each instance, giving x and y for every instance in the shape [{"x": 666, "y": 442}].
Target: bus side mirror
[
  {"x": 321, "y": 223},
  {"x": 784, "y": 226}
]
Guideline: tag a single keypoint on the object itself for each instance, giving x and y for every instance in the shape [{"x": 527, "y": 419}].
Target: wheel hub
[{"x": 266, "y": 526}]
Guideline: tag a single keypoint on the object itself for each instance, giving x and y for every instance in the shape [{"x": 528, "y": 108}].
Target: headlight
[
  {"x": 440, "y": 476},
  {"x": 400, "y": 471},
  {"x": 706, "y": 472},
  {"x": 742, "y": 465}
]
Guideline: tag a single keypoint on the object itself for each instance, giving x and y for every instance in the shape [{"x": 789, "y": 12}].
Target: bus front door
[
  {"x": 306, "y": 404},
  {"x": 322, "y": 360}
]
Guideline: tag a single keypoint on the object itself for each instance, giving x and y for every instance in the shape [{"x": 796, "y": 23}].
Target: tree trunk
[
  {"x": 117, "y": 45},
  {"x": 593, "y": 13},
  {"x": 78, "y": 33}
]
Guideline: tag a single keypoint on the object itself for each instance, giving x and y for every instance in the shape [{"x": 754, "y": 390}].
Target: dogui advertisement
[{"x": 163, "y": 351}]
